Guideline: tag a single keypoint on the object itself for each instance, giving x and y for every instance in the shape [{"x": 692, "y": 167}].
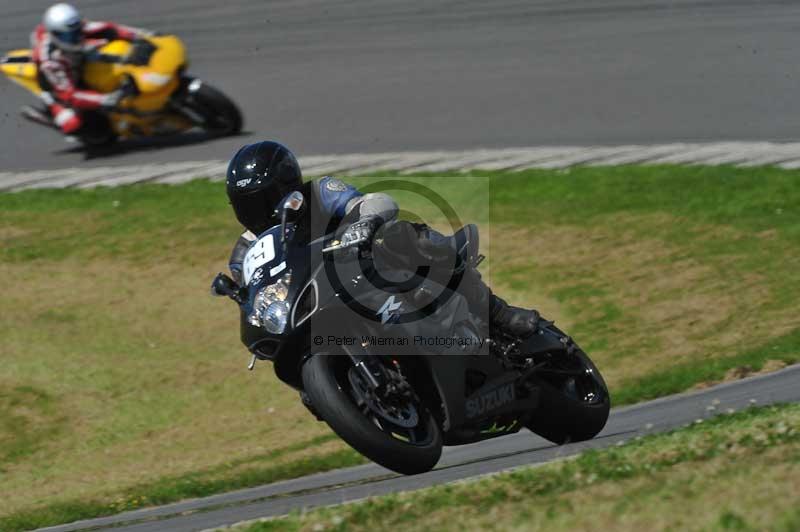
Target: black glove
[{"x": 360, "y": 231}]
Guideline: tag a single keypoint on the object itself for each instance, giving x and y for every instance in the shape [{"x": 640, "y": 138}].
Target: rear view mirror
[
  {"x": 294, "y": 201},
  {"x": 291, "y": 204}
]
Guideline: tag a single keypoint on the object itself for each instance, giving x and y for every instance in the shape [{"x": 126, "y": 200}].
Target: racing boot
[
  {"x": 514, "y": 321},
  {"x": 39, "y": 116}
]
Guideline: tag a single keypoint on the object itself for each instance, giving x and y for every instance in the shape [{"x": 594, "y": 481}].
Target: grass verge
[
  {"x": 258, "y": 470},
  {"x": 734, "y": 472},
  {"x": 681, "y": 377}
]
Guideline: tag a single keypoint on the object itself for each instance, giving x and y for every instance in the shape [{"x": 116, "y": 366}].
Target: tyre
[
  {"x": 411, "y": 446},
  {"x": 96, "y": 130},
  {"x": 574, "y": 403},
  {"x": 222, "y": 116}
]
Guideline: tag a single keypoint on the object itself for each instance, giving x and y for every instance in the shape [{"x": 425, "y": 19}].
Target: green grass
[
  {"x": 119, "y": 368},
  {"x": 683, "y": 376},
  {"x": 230, "y": 476},
  {"x": 135, "y": 222},
  {"x": 711, "y": 476},
  {"x": 27, "y": 417}
]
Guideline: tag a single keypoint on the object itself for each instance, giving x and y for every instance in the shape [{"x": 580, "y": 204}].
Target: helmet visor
[
  {"x": 255, "y": 211},
  {"x": 69, "y": 37}
]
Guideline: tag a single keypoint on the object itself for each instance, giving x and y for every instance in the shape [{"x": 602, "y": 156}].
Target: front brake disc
[{"x": 404, "y": 415}]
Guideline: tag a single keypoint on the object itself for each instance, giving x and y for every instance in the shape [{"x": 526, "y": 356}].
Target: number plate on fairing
[{"x": 260, "y": 253}]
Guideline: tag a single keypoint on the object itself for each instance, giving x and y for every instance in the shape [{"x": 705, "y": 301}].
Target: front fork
[
  {"x": 370, "y": 370},
  {"x": 385, "y": 384}
]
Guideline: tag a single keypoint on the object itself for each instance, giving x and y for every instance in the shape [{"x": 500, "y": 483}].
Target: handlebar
[{"x": 337, "y": 244}]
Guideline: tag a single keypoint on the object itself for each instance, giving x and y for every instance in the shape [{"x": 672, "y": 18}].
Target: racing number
[{"x": 259, "y": 254}]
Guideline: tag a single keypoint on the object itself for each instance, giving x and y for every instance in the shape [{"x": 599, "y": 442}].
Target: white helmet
[{"x": 65, "y": 25}]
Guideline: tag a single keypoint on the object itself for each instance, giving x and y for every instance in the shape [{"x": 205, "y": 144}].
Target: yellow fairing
[
  {"x": 156, "y": 81},
  {"x": 20, "y": 69}
]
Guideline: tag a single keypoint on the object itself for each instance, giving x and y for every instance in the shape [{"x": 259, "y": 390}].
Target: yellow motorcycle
[{"x": 161, "y": 99}]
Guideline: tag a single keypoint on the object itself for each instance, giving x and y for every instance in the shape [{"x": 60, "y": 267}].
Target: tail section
[{"x": 19, "y": 68}]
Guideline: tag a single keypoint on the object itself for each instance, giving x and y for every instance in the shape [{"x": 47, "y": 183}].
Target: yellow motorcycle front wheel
[{"x": 219, "y": 115}]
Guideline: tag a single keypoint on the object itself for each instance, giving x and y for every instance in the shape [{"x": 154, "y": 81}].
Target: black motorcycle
[{"x": 399, "y": 368}]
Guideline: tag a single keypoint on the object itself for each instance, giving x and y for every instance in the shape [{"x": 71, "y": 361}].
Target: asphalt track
[
  {"x": 357, "y": 76},
  {"x": 522, "y": 449}
]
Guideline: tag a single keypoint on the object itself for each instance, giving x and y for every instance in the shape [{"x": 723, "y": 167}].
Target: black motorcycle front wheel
[{"x": 404, "y": 438}]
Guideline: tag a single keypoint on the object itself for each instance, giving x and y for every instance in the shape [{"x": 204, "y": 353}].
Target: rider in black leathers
[{"x": 261, "y": 175}]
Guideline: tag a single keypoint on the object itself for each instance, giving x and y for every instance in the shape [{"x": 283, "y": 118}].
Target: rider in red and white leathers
[{"x": 60, "y": 44}]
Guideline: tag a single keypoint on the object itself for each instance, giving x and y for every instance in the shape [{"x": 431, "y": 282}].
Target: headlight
[
  {"x": 275, "y": 317},
  {"x": 270, "y": 309}
]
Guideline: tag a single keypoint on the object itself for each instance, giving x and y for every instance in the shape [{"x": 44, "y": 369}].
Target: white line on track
[{"x": 744, "y": 154}]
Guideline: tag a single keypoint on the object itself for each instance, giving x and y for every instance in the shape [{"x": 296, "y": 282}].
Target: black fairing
[
  {"x": 543, "y": 342},
  {"x": 265, "y": 345},
  {"x": 467, "y": 391}
]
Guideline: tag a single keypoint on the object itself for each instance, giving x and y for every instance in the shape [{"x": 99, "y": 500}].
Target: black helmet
[{"x": 259, "y": 176}]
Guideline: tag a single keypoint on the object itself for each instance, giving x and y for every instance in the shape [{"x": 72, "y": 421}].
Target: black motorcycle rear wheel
[
  {"x": 574, "y": 402},
  {"x": 331, "y": 384}
]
